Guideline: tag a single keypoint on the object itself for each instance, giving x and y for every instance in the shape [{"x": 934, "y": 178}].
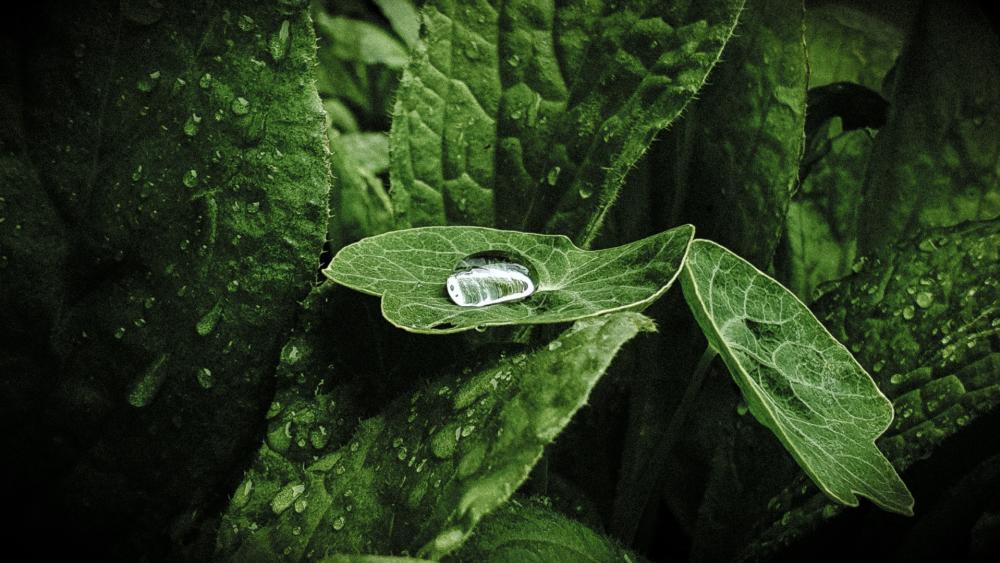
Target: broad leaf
[
  {"x": 798, "y": 380},
  {"x": 844, "y": 45},
  {"x": 420, "y": 476},
  {"x": 181, "y": 153},
  {"x": 408, "y": 269},
  {"x": 935, "y": 162},
  {"x": 921, "y": 315},
  {"x": 531, "y": 532},
  {"x": 848, "y": 45},
  {"x": 524, "y": 116},
  {"x": 746, "y": 131}
]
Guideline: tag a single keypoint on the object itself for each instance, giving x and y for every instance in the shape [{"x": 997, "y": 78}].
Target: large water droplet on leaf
[{"x": 488, "y": 278}]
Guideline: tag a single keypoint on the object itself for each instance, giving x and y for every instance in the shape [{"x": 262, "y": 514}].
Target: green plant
[{"x": 225, "y": 232}]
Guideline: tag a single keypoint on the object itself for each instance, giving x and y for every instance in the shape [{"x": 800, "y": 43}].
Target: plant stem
[{"x": 630, "y": 507}]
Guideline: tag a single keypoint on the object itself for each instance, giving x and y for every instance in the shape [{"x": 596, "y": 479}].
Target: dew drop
[
  {"x": 338, "y": 523},
  {"x": 205, "y": 378},
  {"x": 192, "y": 124},
  {"x": 924, "y": 299},
  {"x": 190, "y": 178},
  {"x": 245, "y": 23},
  {"x": 488, "y": 278},
  {"x": 148, "y": 82},
  {"x": 240, "y": 106}
]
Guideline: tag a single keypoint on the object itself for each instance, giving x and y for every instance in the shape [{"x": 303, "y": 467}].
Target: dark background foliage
[{"x": 166, "y": 176}]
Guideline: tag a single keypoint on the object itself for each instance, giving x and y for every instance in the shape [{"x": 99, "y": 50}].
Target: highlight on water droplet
[{"x": 488, "y": 278}]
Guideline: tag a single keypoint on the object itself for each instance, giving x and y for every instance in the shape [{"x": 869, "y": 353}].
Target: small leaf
[
  {"x": 408, "y": 269},
  {"x": 798, "y": 380},
  {"x": 534, "y": 533},
  {"x": 421, "y": 475}
]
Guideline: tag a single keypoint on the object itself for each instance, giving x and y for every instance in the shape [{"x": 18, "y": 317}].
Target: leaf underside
[{"x": 798, "y": 380}]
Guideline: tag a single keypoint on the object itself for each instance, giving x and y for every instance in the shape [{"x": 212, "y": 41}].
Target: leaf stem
[{"x": 626, "y": 519}]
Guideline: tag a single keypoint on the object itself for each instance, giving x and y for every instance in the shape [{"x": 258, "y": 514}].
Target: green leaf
[
  {"x": 360, "y": 41},
  {"x": 848, "y": 45},
  {"x": 359, "y": 205},
  {"x": 523, "y": 116},
  {"x": 408, "y": 269},
  {"x": 747, "y": 130},
  {"x": 922, "y": 314},
  {"x": 935, "y": 161},
  {"x": 845, "y": 45},
  {"x": 532, "y": 532},
  {"x": 181, "y": 154},
  {"x": 421, "y": 475},
  {"x": 798, "y": 380},
  {"x": 404, "y": 19}
]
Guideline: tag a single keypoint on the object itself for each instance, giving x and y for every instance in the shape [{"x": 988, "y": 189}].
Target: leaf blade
[
  {"x": 408, "y": 269},
  {"x": 422, "y": 475},
  {"x": 782, "y": 358},
  {"x": 498, "y": 121}
]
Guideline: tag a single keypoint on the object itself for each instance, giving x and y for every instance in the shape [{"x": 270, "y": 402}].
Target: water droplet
[
  {"x": 120, "y": 333},
  {"x": 147, "y": 83},
  {"x": 137, "y": 174},
  {"x": 468, "y": 430},
  {"x": 190, "y": 178},
  {"x": 555, "y": 345},
  {"x": 205, "y": 378},
  {"x": 401, "y": 454},
  {"x": 908, "y": 312},
  {"x": 245, "y": 23},
  {"x": 553, "y": 176},
  {"x": 585, "y": 193},
  {"x": 279, "y": 43},
  {"x": 233, "y": 286},
  {"x": 924, "y": 299},
  {"x": 191, "y": 125},
  {"x": 338, "y": 523},
  {"x": 488, "y": 278},
  {"x": 286, "y": 497},
  {"x": 206, "y": 324},
  {"x": 206, "y": 80},
  {"x": 514, "y": 60},
  {"x": 240, "y": 106},
  {"x": 146, "y": 386}
]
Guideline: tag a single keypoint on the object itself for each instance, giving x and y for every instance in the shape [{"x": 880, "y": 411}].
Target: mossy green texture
[{"x": 175, "y": 158}]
